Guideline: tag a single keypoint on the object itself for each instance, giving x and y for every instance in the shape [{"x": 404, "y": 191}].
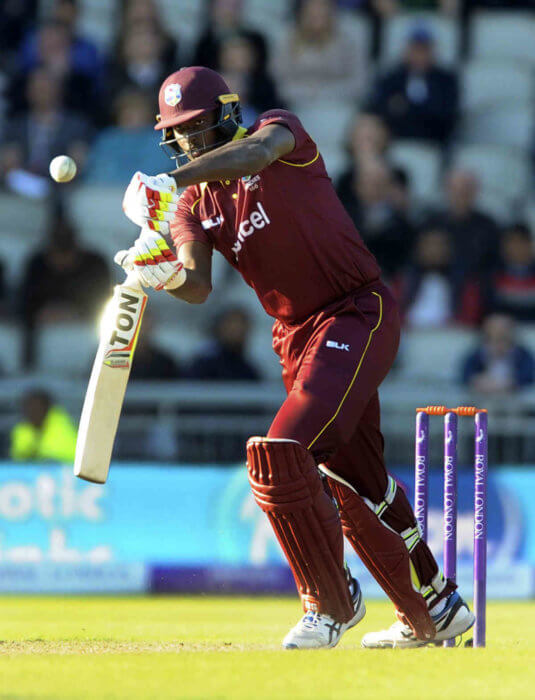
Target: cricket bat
[{"x": 109, "y": 377}]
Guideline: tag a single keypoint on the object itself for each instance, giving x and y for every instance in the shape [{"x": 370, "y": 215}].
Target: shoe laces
[
  {"x": 400, "y": 628},
  {"x": 311, "y": 619}
]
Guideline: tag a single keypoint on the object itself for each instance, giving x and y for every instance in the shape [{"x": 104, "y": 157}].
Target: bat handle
[{"x": 132, "y": 280}]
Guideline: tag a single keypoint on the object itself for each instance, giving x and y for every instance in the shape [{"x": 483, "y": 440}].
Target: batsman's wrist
[
  {"x": 175, "y": 175},
  {"x": 176, "y": 280}
]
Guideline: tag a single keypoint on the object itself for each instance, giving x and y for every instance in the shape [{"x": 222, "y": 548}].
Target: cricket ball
[{"x": 62, "y": 169}]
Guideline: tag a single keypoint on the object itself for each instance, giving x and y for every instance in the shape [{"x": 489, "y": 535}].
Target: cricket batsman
[{"x": 262, "y": 197}]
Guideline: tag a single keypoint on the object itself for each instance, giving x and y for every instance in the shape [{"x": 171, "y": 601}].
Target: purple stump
[
  {"x": 480, "y": 527},
  {"x": 421, "y": 472},
  {"x": 450, "y": 501}
]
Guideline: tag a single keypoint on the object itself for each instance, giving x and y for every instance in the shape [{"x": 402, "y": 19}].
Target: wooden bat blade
[{"x": 107, "y": 385}]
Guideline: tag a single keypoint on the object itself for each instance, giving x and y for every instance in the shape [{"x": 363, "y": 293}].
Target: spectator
[
  {"x": 75, "y": 67},
  {"x": 224, "y": 18},
  {"x": 400, "y": 191},
  {"x": 143, "y": 62},
  {"x": 368, "y": 139},
  {"x": 224, "y": 358},
  {"x": 433, "y": 293},
  {"x": 513, "y": 284},
  {"x": 387, "y": 8},
  {"x": 145, "y": 14},
  {"x": 418, "y": 99},
  {"x": 5, "y": 305},
  {"x": 238, "y": 66},
  {"x": 474, "y": 5},
  {"x": 372, "y": 200},
  {"x": 353, "y": 4},
  {"x": 118, "y": 150},
  {"x": 76, "y": 53},
  {"x": 15, "y": 19},
  {"x": 151, "y": 362},
  {"x": 499, "y": 365},
  {"x": 63, "y": 281},
  {"x": 46, "y": 431},
  {"x": 474, "y": 234},
  {"x": 44, "y": 131},
  {"x": 318, "y": 61}
]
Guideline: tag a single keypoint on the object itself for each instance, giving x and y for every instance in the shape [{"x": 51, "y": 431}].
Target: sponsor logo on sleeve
[
  {"x": 251, "y": 182},
  {"x": 212, "y": 222}
]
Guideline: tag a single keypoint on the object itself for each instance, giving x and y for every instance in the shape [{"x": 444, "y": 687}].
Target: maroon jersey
[{"x": 284, "y": 229}]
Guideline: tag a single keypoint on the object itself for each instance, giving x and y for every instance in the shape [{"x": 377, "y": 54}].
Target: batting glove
[
  {"x": 156, "y": 264},
  {"x": 151, "y": 201}
]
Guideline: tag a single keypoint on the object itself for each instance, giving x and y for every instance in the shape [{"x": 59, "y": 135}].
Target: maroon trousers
[{"x": 333, "y": 364}]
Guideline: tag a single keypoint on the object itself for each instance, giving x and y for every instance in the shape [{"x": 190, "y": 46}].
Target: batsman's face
[{"x": 197, "y": 136}]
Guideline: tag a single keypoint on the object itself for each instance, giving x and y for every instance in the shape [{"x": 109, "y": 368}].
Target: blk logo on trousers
[{"x": 337, "y": 346}]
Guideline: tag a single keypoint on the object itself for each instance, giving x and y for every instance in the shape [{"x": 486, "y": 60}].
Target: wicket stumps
[{"x": 421, "y": 498}]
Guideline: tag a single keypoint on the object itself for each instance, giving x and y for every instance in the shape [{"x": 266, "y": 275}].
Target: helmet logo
[{"x": 172, "y": 94}]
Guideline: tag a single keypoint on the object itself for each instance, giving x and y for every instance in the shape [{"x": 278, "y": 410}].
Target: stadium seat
[
  {"x": 360, "y": 28},
  {"x": 328, "y": 125},
  {"x": 335, "y": 161},
  {"x": 268, "y": 17},
  {"x": 259, "y": 11},
  {"x": 509, "y": 35},
  {"x": 260, "y": 350},
  {"x": 496, "y": 205},
  {"x": 180, "y": 342},
  {"x": 488, "y": 83},
  {"x": 508, "y": 124},
  {"x": 526, "y": 336},
  {"x": 502, "y": 171},
  {"x": 10, "y": 348},
  {"x": 66, "y": 349},
  {"x": 98, "y": 215},
  {"x": 99, "y": 206},
  {"x": 22, "y": 229},
  {"x": 231, "y": 290},
  {"x": 21, "y": 247},
  {"x": 98, "y": 21},
  {"x": 423, "y": 163},
  {"x": 396, "y": 30},
  {"x": 529, "y": 215},
  {"x": 184, "y": 19},
  {"x": 434, "y": 354},
  {"x": 28, "y": 215}
]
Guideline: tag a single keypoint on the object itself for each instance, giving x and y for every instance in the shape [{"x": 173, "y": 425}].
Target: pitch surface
[{"x": 228, "y": 648}]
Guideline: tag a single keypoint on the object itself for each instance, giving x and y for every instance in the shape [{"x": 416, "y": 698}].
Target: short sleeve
[
  {"x": 186, "y": 226},
  {"x": 305, "y": 148}
]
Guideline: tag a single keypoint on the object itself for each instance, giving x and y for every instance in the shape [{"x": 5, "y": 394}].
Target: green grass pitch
[{"x": 218, "y": 648}]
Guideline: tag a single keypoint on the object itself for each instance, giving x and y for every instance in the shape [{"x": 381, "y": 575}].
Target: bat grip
[{"x": 132, "y": 280}]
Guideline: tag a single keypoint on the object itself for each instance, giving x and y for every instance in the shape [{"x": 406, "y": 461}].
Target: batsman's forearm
[
  {"x": 229, "y": 162},
  {"x": 195, "y": 289}
]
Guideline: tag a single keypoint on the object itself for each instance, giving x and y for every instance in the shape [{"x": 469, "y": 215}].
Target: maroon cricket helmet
[{"x": 190, "y": 92}]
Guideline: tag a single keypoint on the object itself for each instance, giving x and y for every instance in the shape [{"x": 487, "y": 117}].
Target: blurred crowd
[{"x": 448, "y": 259}]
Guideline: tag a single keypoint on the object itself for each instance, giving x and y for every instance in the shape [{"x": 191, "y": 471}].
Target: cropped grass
[{"x": 229, "y": 648}]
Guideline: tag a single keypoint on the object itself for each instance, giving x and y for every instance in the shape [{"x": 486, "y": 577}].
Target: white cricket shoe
[
  {"x": 455, "y": 619},
  {"x": 316, "y": 631}
]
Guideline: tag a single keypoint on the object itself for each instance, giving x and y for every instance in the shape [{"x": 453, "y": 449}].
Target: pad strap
[
  {"x": 411, "y": 537},
  {"x": 435, "y": 588},
  {"x": 390, "y": 494},
  {"x": 385, "y": 554}
]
